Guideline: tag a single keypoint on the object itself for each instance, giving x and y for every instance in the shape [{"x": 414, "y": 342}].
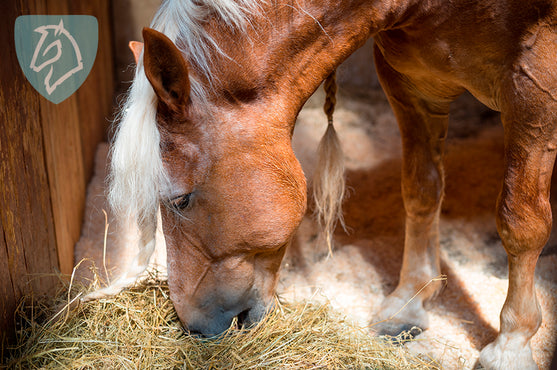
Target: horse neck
[
  {"x": 294, "y": 46},
  {"x": 322, "y": 34}
]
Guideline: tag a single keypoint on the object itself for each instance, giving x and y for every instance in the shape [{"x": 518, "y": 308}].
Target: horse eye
[{"x": 181, "y": 202}]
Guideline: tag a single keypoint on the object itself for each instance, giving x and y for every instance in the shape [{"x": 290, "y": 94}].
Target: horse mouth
[{"x": 243, "y": 320}]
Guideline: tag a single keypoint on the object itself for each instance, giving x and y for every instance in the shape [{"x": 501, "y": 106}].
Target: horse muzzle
[{"x": 212, "y": 322}]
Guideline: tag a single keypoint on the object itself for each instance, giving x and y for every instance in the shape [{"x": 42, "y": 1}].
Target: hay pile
[{"x": 139, "y": 329}]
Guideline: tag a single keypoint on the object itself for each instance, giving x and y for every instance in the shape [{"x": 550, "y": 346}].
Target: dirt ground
[{"x": 366, "y": 261}]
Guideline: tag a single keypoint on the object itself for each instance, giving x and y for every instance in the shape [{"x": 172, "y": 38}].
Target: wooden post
[{"x": 46, "y": 159}]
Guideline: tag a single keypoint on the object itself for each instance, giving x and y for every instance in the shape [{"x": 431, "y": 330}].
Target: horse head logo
[
  {"x": 57, "y": 36},
  {"x": 56, "y": 53}
]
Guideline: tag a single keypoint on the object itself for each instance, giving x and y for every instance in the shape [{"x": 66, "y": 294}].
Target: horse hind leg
[
  {"x": 423, "y": 127},
  {"x": 524, "y": 223}
]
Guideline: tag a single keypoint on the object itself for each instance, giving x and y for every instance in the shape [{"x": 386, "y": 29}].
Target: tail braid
[
  {"x": 330, "y": 86},
  {"x": 328, "y": 179}
]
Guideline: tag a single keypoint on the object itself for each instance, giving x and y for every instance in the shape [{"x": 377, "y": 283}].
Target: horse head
[
  {"x": 235, "y": 195},
  {"x": 206, "y": 137}
]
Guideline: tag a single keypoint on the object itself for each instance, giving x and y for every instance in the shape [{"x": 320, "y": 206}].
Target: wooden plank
[
  {"x": 66, "y": 178},
  {"x": 65, "y": 161},
  {"x": 28, "y": 219},
  {"x": 95, "y": 96},
  {"x": 63, "y": 152},
  {"x": 27, "y": 230},
  {"x": 9, "y": 301}
]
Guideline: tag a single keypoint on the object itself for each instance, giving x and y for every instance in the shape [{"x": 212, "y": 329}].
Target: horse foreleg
[
  {"x": 524, "y": 224},
  {"x": 423, "y": 127}
]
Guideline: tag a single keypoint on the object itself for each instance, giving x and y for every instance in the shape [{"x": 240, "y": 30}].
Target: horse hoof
[
  {"x": 508, "y": 352},
  {"x": 398, "y": 316},
  {"x": 397, "y": 333},
  {"x": 395, "y": 329}
]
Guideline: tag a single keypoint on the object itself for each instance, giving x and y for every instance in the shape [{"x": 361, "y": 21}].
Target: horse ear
[
  {"x": 136, "y": 47},
  {"x": 166, "y": 70}
]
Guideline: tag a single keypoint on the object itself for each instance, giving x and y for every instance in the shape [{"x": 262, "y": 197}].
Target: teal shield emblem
[{"x": 56, "y": 52}]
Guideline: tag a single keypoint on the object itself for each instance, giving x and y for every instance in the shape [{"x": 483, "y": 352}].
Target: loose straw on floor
[{"x": 139, "y": 329}]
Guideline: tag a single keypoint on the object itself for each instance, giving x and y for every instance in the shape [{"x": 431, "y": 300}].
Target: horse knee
[
  {"x": 423, "y": 193},
  {"x": 523, "y": 224},
  {"x": 422, "y": 180}
]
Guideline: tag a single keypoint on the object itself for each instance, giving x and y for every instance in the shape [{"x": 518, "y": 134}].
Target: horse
[{"x": 205, "y": 137}]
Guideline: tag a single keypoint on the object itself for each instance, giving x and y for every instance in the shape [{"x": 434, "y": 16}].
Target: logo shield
[{"x": 56, "y": 52}]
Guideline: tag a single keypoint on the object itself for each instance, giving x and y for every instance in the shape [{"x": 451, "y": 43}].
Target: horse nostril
[{"x": 243, "y": 318}]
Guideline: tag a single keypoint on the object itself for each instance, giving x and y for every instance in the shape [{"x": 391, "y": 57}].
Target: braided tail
[{"x": 329, "y": 178}]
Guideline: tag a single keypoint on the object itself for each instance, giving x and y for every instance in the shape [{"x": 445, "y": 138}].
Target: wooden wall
[{"x": 46, "y": 159}]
